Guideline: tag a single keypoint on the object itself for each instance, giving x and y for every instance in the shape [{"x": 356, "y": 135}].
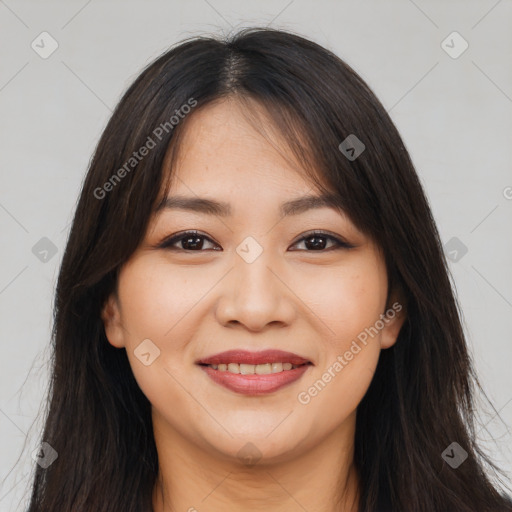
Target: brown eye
[
  {"x": 318, "y": 241},
  {"x": 186, "y": 241},
  {"x": 194, "y": 241}
]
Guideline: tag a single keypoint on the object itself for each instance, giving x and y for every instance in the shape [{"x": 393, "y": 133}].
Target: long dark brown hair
[{"x": 421, "y": 398}]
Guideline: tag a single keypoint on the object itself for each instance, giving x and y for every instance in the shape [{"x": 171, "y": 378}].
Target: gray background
[{"x": 455, "y": 115}]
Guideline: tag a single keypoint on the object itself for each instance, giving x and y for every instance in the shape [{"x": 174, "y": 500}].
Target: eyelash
[{"x": 171, "y": 240}]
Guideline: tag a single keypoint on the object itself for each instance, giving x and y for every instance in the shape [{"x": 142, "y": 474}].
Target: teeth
[
  {"x": 277, "y": 367},
  {"x": 254, "y": 369}
]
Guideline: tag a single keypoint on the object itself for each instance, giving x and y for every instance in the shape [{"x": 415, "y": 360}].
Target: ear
[
  {"x": 393, "y": 319},
  {"x": 111, "y": 316}
]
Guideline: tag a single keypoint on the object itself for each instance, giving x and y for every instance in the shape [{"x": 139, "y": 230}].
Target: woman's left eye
[
  {"x": 193, "y": 241},
  {"x": 318, "y": 241}
]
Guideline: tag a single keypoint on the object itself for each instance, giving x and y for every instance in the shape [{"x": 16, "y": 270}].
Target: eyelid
[
  {"x": 167, "y": 242},
  {"x": 338, "y": 240}
]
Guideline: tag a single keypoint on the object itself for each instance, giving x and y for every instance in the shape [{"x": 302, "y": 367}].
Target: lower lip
[{"x": 255, "y": 384}]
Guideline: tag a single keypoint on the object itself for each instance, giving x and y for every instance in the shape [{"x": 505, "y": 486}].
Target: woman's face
[{"x": 248, "y": 281}]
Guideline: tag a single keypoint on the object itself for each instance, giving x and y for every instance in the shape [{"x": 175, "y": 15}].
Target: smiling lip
[
  {"x": 246, "y": 357},
  {"x": 254, "y": 384}
]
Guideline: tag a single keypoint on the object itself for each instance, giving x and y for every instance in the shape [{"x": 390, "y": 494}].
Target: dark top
[{"x": 384, "y": 502}]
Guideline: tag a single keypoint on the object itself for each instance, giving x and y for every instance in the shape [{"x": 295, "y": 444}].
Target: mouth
[
  {"x": 254, "y": 373},
  {"x": 254, "y": 369}
]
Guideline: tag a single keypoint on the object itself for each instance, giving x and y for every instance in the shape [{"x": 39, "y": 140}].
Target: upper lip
[{"x": 246, "y": 357}]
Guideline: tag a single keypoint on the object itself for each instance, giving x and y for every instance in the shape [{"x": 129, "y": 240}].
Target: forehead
[{"x": 224, "y": 146}]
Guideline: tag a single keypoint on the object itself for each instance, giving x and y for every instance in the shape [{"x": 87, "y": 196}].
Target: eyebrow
[{"x": 223, "y": 209}]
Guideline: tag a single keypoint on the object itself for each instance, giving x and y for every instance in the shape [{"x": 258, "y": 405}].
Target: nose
[{"x": 255, "y": 295}]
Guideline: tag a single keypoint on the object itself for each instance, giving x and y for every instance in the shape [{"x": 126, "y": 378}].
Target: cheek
[
  {"x": 157, "y": 305},
  {"x": 349, "y": 302},
  {"x": 348, "y": 299},
  {"x": 361, "y": 299},
  {"x": 156, "y": 301}
]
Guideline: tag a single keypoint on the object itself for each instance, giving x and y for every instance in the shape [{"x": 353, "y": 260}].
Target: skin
[{"x": 195, "y": 304}]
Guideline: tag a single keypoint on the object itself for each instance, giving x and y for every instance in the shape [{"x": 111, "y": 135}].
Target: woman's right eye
[{"x": 189, "y": 240}]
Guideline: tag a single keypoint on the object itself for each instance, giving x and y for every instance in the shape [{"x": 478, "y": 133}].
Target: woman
[{"x": 253, "y": 309}]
